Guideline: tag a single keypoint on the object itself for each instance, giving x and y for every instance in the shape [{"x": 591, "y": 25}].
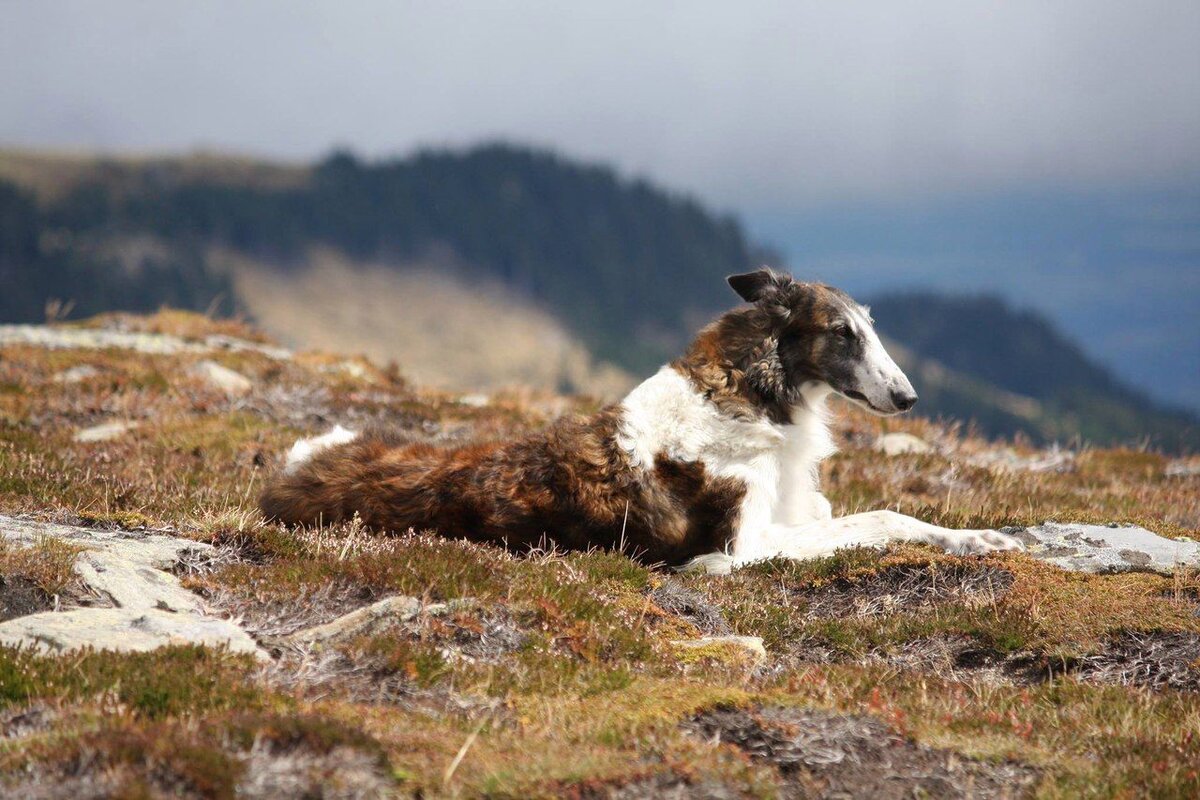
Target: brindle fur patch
[{"x": 570, "y": 485}]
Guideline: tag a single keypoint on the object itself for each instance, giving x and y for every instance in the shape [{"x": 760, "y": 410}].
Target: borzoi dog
[{"x": 711, "y": 463}]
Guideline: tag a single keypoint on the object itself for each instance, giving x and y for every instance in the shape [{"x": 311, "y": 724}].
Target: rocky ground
[{"x": 157, "y": 639}]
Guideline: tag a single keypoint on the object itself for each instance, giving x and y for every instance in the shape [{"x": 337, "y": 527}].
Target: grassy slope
[{"x": 562, "y": 678}]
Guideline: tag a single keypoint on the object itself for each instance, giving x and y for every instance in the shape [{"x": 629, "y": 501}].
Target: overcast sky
[{"x": 753, "y": 105}]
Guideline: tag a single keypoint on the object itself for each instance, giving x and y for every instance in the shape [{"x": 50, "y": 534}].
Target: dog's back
[{"x": 571, "y": 485}]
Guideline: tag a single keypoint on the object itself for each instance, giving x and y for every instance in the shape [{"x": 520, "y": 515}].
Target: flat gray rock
[
  {"x": 56, "y": 337},
  {"x": 1006, "y": 459},
  {"x": 1183, "y": 468},
  {"x": 231, "y": 382},
  {"x": 131, "y": 571},
  {"x": 130, "y": 582},
  {"x": 60, "y": 338},
  {"x": 379, "y": 617},
  {"x": 899, "y": 444},
  {"x": 1101, "y": 548},
  {"x": 375, "y": 618},
  {"x": 105, "y": 431},
  {"x": 77, "y": 374},
  {"x": 157, "y": 550},
  {"x": 124, "y": 630}
]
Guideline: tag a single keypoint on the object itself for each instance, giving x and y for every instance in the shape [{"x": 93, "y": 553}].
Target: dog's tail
[{"x": 313, "y": 488}]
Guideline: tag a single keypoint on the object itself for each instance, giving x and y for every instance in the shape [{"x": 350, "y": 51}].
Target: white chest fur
[{"x": 777, "y": 463}]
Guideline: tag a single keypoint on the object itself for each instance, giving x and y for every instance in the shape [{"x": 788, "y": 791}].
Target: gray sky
[{"x": 753, "y": 105}]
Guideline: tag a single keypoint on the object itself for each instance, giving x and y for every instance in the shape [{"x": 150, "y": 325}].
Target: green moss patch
[{"x": 162, "y": 683}]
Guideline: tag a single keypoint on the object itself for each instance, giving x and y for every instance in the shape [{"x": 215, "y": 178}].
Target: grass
[
  {"x": 559, "y": 677},
  {"x": 163, "y": 683},
  {"x": 1045, "y": 609},
  {"x": 48, "y": 563}
]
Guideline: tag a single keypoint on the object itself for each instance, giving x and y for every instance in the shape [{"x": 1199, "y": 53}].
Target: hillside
[
  {"x": 236, "y": 658},
  {"x": 492, "y": 266},
  {"x": 626, "y": 264},
  {"x": 1047, "y": 387}
]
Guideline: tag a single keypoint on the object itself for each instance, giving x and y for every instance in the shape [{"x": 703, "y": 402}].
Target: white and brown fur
[{"x": 712, "y": 462}]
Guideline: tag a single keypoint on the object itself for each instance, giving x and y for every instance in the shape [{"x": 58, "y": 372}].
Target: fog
[{"x": 753, "y": 106}]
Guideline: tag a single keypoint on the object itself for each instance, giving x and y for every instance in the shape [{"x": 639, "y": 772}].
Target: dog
[{"x": 710, "y": 464}]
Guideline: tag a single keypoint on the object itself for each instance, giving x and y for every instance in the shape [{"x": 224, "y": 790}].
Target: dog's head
[{"x": 814, "y": 335}]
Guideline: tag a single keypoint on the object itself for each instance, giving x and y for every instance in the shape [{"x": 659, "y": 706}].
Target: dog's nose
[{"x": 904, "y": 400}]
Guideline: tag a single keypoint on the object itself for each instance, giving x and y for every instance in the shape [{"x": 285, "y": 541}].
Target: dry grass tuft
[{"x": 49, "y": 564}]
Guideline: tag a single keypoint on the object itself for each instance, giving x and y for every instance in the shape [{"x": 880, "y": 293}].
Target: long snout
[{"x": 881, "y": 382}]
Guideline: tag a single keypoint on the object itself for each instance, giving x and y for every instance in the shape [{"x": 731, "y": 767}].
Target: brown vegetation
[{"x": 558, "y": 677}]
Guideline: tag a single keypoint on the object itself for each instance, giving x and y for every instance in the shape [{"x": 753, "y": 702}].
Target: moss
[
  {"x": 715, "y": 654},
  {"x": 170, "y": 681},
  {"x": 125, "y": 520}
]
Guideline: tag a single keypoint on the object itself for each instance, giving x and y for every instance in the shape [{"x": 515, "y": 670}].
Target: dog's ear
[{"x": 757, "y": 285}]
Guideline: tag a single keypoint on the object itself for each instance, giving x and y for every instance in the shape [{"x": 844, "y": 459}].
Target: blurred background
[{"x": 551, "y": 193}]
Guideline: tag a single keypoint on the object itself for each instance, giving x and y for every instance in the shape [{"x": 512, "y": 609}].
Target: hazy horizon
[
  {"x": 1046, "y": 152},
  {"x": 766, "y": 106}
]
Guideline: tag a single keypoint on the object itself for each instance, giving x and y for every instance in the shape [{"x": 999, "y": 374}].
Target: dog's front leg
[
  {"x": 877, "y": 528},
  {"x": 825, "y": 537}
]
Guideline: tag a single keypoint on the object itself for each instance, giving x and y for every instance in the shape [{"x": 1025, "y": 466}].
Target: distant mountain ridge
[
  {"x": 629, "y": 269},
  {"x": 1022, "y": 353}
]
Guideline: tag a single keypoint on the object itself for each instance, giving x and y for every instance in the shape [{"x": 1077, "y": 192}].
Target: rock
[
  {"x": 354, "y": 369},
  {"x": 105, "y": 432},
  {"x": 750, "y": 646},
  {"x": 63, "y": 338},
  {"x": 59, "y": 338},
  {"x": 388, "y": 613},
  {"x": 692, "y": 606},
  {"x": 824, "y": 754},
  {"x": 1006, "y": 459},
  {"x": 898, "y": 444},
  {"x": 122, "y": 629},
  {"x": 1099, "y": 548},
  {"x": 1183, "y": 468},
  {"x": 475, "y": 400},
  {"x": 233, "y": 384},
  {"x": 235, "y": 345},
  {"x": 155, "y": 550},
  {"x": 129, "y": 570},
  {"x": 129, "y": 581},
  {"x": 77, "y": 374}
]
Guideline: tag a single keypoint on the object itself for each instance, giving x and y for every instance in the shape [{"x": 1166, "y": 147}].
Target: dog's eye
[{"x": 843, "y": 331}]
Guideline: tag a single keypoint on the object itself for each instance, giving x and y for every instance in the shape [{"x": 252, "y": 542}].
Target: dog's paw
[
  {"x": 979, "y": 542},
  {"x": 710, "y": 563}
]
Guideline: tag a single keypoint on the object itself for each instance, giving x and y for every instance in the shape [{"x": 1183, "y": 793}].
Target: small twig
[
  {"x": 462, "y": 752},
  {"x": 624, "y": 522}
]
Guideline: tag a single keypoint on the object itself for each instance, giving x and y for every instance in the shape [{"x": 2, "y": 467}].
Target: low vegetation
[{"x": 560, "y": 675}]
